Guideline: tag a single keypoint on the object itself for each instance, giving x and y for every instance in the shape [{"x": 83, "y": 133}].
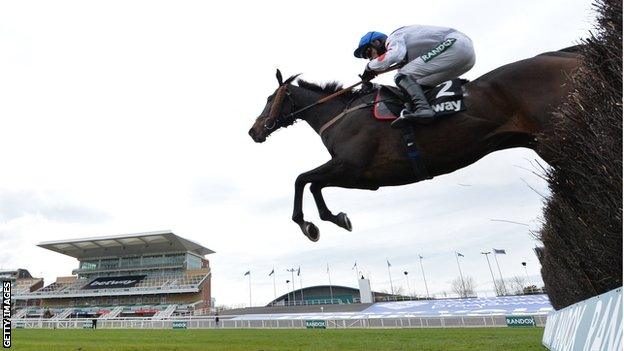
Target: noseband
[{"x": 276, "y": 108}]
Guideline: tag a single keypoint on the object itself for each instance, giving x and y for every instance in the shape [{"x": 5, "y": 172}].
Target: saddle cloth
[{"x": 445, "y": 99}]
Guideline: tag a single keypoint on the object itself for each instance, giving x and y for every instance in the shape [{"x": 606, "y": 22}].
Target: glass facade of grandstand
[{"x": 178, "y": 260}]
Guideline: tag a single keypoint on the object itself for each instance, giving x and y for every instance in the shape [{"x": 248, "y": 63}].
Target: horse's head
[{"x": 277, "y": 112}]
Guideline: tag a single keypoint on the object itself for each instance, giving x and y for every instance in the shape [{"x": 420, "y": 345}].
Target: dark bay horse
[{"x": 509, "y": 107}]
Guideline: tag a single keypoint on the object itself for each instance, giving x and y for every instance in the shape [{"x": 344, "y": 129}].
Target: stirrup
[
  {"x": 403, "y": 112},
  {"x": 401, "y": 120}
]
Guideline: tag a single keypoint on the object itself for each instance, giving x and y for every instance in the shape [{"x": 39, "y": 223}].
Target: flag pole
[
  {"x": 292, "y": 277},
  {"x": 407, "y": 280},
  {"x": 357, "y": 277},
  {"x": 331, "y": 292},
  {"x": 250, "y": 289},
  {"x": 461, "y": 276},
  {"x": 423, "y": 274},
  {"x": 489, "y": 266},
  {"x": 300, "y": 283},
  {"x": 390, "y": 275},
  {"x": 288, "y": 294},
  {"x": 526, "y": 273},
  {"x": 274, "y": 289},
  {"x": 501, "y": 274}
]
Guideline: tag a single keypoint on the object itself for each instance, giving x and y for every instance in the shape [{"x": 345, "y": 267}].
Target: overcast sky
[{"x": 132, "y": 116}]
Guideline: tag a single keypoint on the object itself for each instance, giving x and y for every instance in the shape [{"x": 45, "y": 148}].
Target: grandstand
[
  {"x": 21, "y": 282},
  {"x": 152, "y": 274}
]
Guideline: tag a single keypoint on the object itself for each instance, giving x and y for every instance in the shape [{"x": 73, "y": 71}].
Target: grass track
[{"x": 279, "y": 339}]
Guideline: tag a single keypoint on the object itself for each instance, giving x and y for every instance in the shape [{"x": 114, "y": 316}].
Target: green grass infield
[{"x": 279, "y": 339}]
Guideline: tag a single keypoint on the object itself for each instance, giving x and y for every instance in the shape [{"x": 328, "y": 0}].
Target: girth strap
[
  {"x": 340, "y": 115},
  {"x": 409, "y": 138}
]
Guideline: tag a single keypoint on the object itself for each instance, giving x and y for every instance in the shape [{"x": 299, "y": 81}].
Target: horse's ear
[
  {"x": 279, "y": 77},
  {"x": 292, "y": 78}
]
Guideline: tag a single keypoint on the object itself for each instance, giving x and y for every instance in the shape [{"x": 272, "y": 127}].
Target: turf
[{"x": 280, "y": 339}]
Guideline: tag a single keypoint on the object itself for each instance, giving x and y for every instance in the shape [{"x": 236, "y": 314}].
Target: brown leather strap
[
  {"x": 339, "y": 116},
  {"x": 277, "y": 102}
]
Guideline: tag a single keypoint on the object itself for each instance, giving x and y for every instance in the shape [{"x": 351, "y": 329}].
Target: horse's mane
[{"x": 325, "y": 88}]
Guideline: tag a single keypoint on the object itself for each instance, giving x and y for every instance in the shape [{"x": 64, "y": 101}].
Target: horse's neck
[{"x": 321, "y": 114}]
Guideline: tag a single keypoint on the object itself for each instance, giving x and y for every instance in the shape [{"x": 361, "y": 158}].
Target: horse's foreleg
[
  {"x": 308, "y": 228},
  {"x": 340, "y": 219},
  {"x": 321, "y": 174}
]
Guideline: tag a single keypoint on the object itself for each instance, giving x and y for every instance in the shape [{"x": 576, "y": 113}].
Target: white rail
[
  {"x": 166, "y": 313},
  {"x": 21, "y": 313},
  {"x": 206, "y": 323},
  {"x": 113, "y": 313},
  {"x": 64, "y": 314}
]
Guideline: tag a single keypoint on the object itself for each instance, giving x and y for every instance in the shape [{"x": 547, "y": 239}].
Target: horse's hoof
[
  {"x": 311, "y": 231},
  {"x": 344, "y": 222}
]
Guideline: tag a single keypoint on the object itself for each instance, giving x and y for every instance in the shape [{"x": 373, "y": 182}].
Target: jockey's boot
[{"x": 421, "y": 111}]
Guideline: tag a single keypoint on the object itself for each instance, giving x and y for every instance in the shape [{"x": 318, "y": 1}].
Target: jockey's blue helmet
[{"x": 367, "y": 40}]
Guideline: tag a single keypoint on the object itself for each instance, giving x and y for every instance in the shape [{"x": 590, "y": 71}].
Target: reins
[
  {"x": 325, "y": 99},
  {"x": 281, "y": 92}
]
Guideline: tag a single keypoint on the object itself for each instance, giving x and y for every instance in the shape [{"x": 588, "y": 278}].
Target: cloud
[
  {"x": 213, "y": 191},
  {"x": 16, "y": 204}
]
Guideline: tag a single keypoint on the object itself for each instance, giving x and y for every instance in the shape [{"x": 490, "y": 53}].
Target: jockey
[{"x": 428, "y": 55}]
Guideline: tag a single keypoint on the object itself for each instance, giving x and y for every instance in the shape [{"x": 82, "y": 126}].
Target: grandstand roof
[
  {"x": 15, "y": 273},
  {"x": 125, "y": 244}
]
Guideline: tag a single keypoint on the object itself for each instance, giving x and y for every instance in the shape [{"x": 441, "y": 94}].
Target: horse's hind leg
[{"x": 340, "y": 219}]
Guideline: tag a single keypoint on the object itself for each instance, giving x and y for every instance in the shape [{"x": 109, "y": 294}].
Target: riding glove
[{"x": 368, "y": 74}]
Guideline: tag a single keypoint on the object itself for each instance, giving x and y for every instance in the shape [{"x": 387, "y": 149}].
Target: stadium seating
[
  {"x": 170, "y": 282},
  {"x": 24, "y": 285}
]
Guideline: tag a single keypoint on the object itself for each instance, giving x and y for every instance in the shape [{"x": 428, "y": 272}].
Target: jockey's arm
[{"x": 395, "y": 53}]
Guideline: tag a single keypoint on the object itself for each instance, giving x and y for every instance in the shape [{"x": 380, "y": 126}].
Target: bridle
[{"x": 282, "y": 93}]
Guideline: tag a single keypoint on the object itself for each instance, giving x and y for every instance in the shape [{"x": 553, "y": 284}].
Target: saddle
[{"x": 445, "y": 99}]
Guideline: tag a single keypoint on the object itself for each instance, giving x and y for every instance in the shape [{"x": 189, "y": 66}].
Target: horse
[{"x": 511, "y": 106}]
